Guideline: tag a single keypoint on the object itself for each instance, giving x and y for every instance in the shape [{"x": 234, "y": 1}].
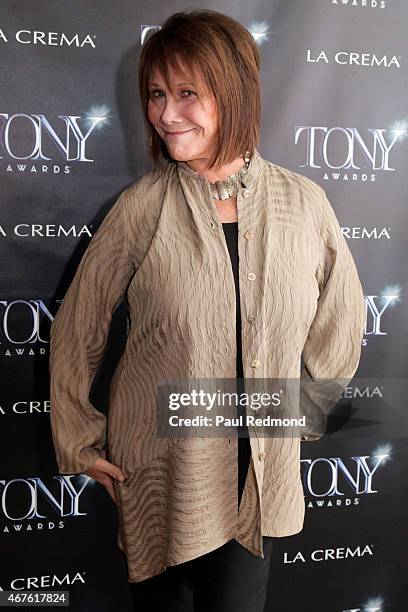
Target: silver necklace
[{"x": 228, "y": 187}]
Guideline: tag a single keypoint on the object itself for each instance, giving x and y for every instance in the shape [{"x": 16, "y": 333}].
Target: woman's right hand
[{"x": 105, "y": 472}]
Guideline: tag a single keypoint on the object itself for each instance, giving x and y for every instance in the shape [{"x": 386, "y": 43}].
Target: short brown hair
[{"x": 218, "y": 49}]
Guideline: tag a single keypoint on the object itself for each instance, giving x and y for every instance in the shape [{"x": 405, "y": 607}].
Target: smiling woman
[
  {"x": 192, "y": 112},
  {"x": 210, "y": 298}
]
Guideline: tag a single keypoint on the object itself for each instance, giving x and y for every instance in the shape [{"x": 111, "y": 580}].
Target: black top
[
  {"x": 244, "y": 447},
  {"x": 231, "y": 236}
]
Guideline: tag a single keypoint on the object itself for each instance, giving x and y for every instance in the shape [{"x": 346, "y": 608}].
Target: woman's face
[{"x": 185, "y": 119}]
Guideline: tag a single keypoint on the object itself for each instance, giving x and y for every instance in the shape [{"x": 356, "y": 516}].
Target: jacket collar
[{"x": 254, "y": 168}]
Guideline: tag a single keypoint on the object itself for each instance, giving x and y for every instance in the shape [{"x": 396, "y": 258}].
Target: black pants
[{"x": 228, "y": 579}]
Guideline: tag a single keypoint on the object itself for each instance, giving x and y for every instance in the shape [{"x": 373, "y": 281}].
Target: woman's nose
[{"x": 170, "y": 114}]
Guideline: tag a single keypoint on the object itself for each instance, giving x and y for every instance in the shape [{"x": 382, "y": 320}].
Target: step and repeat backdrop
[{"x": 334, "y": 108}]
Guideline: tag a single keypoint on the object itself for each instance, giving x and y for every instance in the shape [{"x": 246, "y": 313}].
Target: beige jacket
[{"x": 162, "y": 247}]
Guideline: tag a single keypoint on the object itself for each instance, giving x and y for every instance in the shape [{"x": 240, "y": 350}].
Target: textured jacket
[{"x": 162, "y": 248}]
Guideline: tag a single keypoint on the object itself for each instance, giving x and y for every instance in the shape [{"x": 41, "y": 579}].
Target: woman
[{"x": 233, "y": 268}]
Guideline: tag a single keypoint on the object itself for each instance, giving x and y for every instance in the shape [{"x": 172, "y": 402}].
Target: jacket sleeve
[
  {"x": 332, "y": 350},
  {"x": 77, "y": 340}
]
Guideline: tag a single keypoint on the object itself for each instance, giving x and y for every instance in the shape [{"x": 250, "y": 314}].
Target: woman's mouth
[{"x": 175, "y": 134}]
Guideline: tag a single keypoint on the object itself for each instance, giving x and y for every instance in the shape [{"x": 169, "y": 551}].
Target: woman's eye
[{"x": 159, "y": 91}]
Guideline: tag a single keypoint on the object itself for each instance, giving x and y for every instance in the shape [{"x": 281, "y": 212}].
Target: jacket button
[
  {"x": 255, "y": 363},
  {"x": 261, "y": 456},
  {"x": 248, "y": 235},
  {"x": 251, "y": 276},
  {"x": 246, "y": 193}
]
